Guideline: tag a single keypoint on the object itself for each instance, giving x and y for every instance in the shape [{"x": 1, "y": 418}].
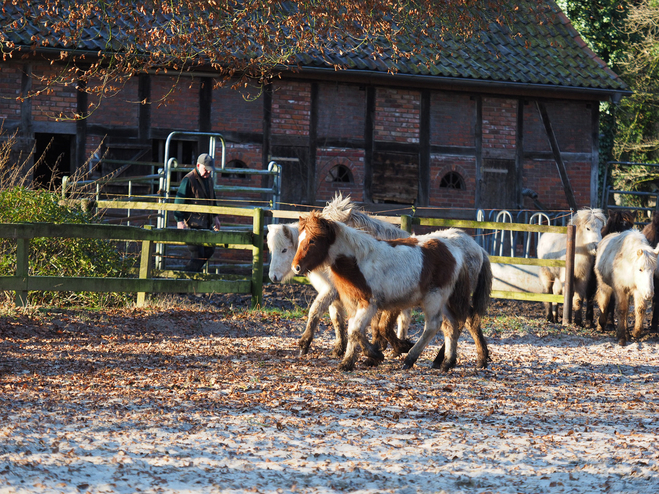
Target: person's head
[{"x": 205, "y": 165}]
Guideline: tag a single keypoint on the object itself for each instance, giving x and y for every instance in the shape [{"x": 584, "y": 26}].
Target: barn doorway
[
  {"x": 395, "y": 177},
  {"x": 52, "y": 159},
  {"x": 497, "y": 187}
]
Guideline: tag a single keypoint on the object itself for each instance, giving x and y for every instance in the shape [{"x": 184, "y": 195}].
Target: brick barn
[{"x": 496, "y": 121}]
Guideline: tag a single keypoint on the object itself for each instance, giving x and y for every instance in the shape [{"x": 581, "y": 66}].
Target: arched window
[
  {"x": 235, "y": 164},
  {"x": 452, "y": 180},
  {"x": 340, "y": 174}
]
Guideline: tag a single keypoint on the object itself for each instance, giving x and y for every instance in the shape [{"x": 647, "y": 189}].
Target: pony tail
[{"x": 481, "y": 296}]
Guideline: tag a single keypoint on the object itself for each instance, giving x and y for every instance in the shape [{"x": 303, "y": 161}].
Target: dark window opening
[
  {"x": 340, "y": 174},
  {"x": 452, "y": 180},
  {"x": 52, "y": 160},
  {"x": 395, "y": 178},
  {"x": 233, "y": 164}
]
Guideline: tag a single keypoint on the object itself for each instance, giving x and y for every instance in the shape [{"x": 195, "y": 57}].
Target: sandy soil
[{"x": 192, "y": 395}]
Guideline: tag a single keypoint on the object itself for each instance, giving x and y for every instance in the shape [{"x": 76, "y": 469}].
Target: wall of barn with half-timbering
[{"x": 379, "y": 144}]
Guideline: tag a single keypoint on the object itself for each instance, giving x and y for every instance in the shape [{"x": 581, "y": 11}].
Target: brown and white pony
[
  {"x": 282, "y": 242},
  {"x": 589, "y": 224},
  {"x": 438, "y": 271},
  {"x": 625, "y": 265}
]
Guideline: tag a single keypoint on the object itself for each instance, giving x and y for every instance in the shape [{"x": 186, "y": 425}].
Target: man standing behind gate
[{"x": 197, "y": 188}]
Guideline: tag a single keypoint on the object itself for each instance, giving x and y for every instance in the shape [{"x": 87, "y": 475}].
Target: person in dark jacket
[{"x": 197, "y": 188}]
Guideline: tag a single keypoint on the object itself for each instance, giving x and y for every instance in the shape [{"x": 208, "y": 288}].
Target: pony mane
[
  {"x": 343, "y": 210},
  {"x": 635, "y": 241},
  {"x": 588, "y": 215}
]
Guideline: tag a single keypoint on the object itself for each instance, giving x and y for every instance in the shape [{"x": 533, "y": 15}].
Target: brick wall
[
  {"x": 397, "y": 113},
  {"x": 121, "y": 110},
  {"x": 571, "y": 124},
  {"x": 543, "y": 177},
  {"x": 236, "y": 111},
  {"x": 57, "y": 102},
  {"x": 10, "y": 90},
  {"x": 452, "y": 119},
  {"x": 452, "y": 198},
  {"x": 291, "y": 108},
  {"x": 326, "y": 159},
  {"x": 499, "y": 124},
  {"x": 175, "y": 103},
  {"x": 341, "y": 111}
]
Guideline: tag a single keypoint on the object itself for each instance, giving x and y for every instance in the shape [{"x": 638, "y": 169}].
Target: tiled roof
[{"x": 539, "y": 47}]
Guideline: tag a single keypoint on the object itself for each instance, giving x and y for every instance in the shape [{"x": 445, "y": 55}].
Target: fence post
[
  {"x": 257, "y": 258},
  {"x": 406, "y": 223},
  {"x": 568, "y": 287},
  {"x": 145, "y": 266},
  {"x": 22, "y": 270}
]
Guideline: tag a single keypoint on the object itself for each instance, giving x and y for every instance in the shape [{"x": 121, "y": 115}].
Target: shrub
[{"x": 59, "y": 256}]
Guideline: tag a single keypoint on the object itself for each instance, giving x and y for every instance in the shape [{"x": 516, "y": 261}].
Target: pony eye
[{"x": 284, "y": 251}]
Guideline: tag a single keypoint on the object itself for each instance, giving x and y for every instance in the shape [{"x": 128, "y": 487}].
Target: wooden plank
[
  {"x": 22, "y": 271},
  {"x": 490, "y": 225},
  {"x": 531, "y": 261},
  {"x": 152, "y": 285},
  {"x": 145, "y": 266},
  {"x": 529, "y": 297},
  {"x": 162, "y": 206},
  {"x": 120, "y": 232},
  {"x": 257, "y": 259}
]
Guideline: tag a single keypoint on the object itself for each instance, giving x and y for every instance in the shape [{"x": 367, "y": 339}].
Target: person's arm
[{"x": 216, "y": 223}]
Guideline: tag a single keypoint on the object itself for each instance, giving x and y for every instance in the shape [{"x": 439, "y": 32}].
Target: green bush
[{"x": 59, "y": 256}]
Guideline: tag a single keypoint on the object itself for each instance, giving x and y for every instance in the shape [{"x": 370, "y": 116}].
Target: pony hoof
[
  {"x": 346, "y": 366},
  {"x": 481, "y": 364},
  {"x": 370, "y": 362},
  {"x": 622, "y": 342},
  {"x": 406, "y": 346}
]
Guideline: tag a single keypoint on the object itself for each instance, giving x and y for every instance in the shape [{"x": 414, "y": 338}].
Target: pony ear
[{"x": 640, "y": 252}]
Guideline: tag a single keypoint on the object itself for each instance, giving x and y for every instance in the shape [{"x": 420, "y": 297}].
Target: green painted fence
[{"x": 148, "y": 280}]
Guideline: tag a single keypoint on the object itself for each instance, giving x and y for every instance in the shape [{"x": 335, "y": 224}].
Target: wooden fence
[
  {"x": 153, "y": 281},
  {"x": 148, "y": 279}
]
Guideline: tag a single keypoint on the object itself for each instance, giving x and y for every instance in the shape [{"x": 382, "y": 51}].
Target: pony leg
[
  {"x": 431, "y": 328},
  {"x": 385, "y": 329},
  {"x": 591, "y": 289},
  {"x": 546, "y": 280},
  {"x": 474, "y": 326},
  {"x": 451, "y": 330},
  {"x": 622, "y": 308},
  {"x": 320, "y": 304},
  {"x": 404, "y": 320},
  {"x": 379, "y": 338},
  {"x": 357, "y": 338},
  {"x": 640, "y": 305},
  {"x": 603, "y": 297},
  {"x": 337, "y": 316}
]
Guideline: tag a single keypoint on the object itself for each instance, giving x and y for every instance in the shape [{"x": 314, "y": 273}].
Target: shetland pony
[
  {"x": 651, "y": 232},
  {"x": 625, "y": 265},
  {"x": 619, "y": 221},
  {"x": 438, "y": 271},
  {"x": 282, "y": 243},
  {"x": 589, "y": 224}
]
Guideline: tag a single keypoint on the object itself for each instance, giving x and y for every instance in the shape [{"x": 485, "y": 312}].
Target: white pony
[
  {"x": 283, "y": 242},
  {"x": 625, "y": 265},
  {"x": 589, "y": 224},
  {"x": 438, "y": 271}
]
